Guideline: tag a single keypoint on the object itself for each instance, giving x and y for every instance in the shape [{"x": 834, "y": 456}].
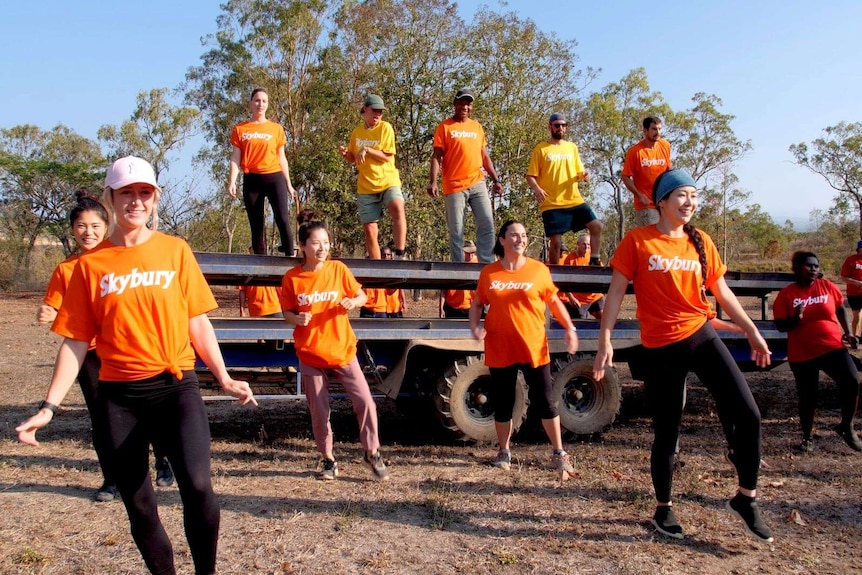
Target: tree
[
  {"x": 837, "y": 158},
  {"x": 156, "y": 132},
  {"x": 40, "y": 171}
]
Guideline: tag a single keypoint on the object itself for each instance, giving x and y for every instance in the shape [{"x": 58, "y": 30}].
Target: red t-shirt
[
  {"x": 644, "y": 164},
  {"x": 818, "y": 332},
  {"x": 666, "y": 274},
  {"x": 515, "y": 322},
  {"x": 852, "y": 268}
]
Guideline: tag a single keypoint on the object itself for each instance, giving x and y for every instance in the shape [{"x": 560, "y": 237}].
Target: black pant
[
  {"x": 838, "y": 365},
  {"x": 88, "y": 379},
  {"x": 170, "y": 414},
  {"x": 540, "y": 389},
  {"x": 450, "y": 312},
  {"x": 665, "y": 369},
  {"x": 257, "y": 187}
]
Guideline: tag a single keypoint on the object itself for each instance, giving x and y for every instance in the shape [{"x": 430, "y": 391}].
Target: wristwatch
[{"x": 49, "y": 406}]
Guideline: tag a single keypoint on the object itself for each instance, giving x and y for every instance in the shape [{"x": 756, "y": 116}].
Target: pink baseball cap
[{"x": 130, "y": 170}]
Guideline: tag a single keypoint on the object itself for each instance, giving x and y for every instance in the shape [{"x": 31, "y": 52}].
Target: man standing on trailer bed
[
  {"x": 644, "y": 162},
  {"x": 462, "y": 151},
  {"x": 553, "y": 175}
]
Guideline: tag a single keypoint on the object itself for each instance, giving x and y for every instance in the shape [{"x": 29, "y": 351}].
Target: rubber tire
[
  {"x": 465, "y": 419},
  {"x": 599, "y": 404}
]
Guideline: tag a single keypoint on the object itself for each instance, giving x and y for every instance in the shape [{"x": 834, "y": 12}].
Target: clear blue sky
[{"x": 785, "y": 69}]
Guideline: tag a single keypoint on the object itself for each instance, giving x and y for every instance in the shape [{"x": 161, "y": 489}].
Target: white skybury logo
[
  {"x": 112, "y": 283},
  {"x": 666, "y": 265},
  {"x": 315, "y": 297}
]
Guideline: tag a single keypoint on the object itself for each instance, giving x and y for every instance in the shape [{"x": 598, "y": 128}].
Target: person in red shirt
[
  {"x": 582, "y": 305},
  {"x": 811, "y": 310},
  {"x": 517, "y": 290},
  {"x": 671, "y": 265},
  {"x": 851, "y": 273},
  {"x": 258, "y": 152},
  {"x": 316, "y": 296},
  {"x": 142, "y": 296}
]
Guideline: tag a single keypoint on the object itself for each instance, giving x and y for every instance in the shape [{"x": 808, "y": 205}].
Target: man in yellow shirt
[
  {"x": 553, "y": 175},
  {"x": 372, "y": 149}
]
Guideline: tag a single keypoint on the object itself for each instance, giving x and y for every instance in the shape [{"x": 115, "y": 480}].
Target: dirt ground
[{"x": 446, "y": 510}]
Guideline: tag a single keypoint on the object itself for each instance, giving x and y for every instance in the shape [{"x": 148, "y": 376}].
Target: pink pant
[{"x": 316, "y": 384}]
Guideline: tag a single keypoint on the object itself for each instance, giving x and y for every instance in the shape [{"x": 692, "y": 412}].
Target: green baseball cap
[{"x": 374, "y": 102}]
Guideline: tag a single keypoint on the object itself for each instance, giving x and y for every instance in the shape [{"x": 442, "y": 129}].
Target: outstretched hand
[
  {"x": 27, "y": 430},
  {"x": 240, "y": 390}
]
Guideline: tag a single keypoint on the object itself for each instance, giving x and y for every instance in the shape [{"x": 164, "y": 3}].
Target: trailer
[{"x": 437, "y": 362}]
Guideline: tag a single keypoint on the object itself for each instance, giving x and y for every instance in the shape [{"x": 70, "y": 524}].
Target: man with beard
[
  {"x": 554, "y": 172},
  {"x": 646, "y": 161},
  {"x": 461, "y": 151}
]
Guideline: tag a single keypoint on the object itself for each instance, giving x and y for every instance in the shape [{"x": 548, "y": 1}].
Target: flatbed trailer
[{"x": 438, "y": 361}]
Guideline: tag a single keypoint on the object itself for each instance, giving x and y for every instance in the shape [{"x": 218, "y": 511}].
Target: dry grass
[{"x": 445, "y": 511}]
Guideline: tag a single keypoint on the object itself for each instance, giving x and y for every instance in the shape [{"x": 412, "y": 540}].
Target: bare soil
[{"x": 446, "y": 510}]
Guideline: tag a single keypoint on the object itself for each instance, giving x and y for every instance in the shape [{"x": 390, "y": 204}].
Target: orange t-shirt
[
  {"x": 262, "y": 300},
  {"x": 136, "y": 301},
  {"x": 58, "y": 284},
  {"x": 573, "y": 259},
  {"x": 462, "y": 144},
  {"x": 393, "y": 301},
  {"x": 376, "y": 300},
  {"x": 258, "y": 144},
  {"x": 644, "y": 164},
  {"x": 458, "y": 298},
  {"x": 667, "y": 279},
  {"x": 328, "y": 340},
  {"x": 515, "y": 322}
]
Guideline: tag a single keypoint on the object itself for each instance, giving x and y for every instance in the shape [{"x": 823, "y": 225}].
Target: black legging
[
  {"x": 540, "y": 389},
  {"x": 256, "y": 188},
  {"x": 170, "y": 414},
  {"x": 838, "y": 365},
  {"x": 88, "y": 379},
  {"x": 664, "y": 378}
]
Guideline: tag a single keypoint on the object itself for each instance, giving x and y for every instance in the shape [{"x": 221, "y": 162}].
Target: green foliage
[{"x": 837, "y": 158}]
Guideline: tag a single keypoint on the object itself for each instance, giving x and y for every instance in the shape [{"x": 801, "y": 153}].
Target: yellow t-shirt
[
  {"x": 556, "y": 168},
  {"x": 375, "y": 176}
]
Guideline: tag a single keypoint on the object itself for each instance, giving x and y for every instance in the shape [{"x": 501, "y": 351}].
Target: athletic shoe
[
  {"x": 107, "y": 492},
  {"x": 595, "y": 261},
  {"x": 746, "y": 509},
  {"x": 327, "y": 470},
  {"x": 563, "y": 465},
  {"x": 164, "y": 473},
  {"x": 665, "y": 522},
  {"x": 807, "y": 446},
  {"x": 849, "y": 436},
  {"x": 504, "y": 460},
  {"x": 377, "y": 467},
  {"x": 399, "y": 256}
]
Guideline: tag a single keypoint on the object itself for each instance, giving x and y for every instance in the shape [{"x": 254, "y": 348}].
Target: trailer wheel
[
  {"x": 463, "y": 401},
  {"x": 586, "y": 406}
]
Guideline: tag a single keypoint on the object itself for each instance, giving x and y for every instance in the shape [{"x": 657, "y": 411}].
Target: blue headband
[{"x": 669, "y": 181}]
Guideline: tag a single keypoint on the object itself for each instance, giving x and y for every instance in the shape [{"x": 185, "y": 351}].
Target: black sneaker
[
  {"x": 807, "y": 445},
  {"x": 377, "y": 467},
  {"x": 164, "y": 473},
  {"x": 746, "y": 509},
  {"x": 327, "y": 470},
  {"x": 849, "y": 436},
  {"x": 665, "y": 522},
  {"x": 595, "y": 261},
  {"x": 107, "y": 492}
]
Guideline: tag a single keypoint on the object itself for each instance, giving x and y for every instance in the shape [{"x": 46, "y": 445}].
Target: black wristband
[{"x": 49, "y": 406}]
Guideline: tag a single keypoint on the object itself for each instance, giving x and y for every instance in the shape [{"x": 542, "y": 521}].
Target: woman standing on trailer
[
  {"x": 142, "y": 296},
  {"x": 811, "y": 310},
  {"x": 258, "y": 150},
  {"x": 316, "y": 296},
  {"x": 671, "y": 264},
  {"x": 517, "y": 289}
]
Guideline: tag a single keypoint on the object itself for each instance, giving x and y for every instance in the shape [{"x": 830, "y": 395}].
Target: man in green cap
[{"x": 372, "y": 149}]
